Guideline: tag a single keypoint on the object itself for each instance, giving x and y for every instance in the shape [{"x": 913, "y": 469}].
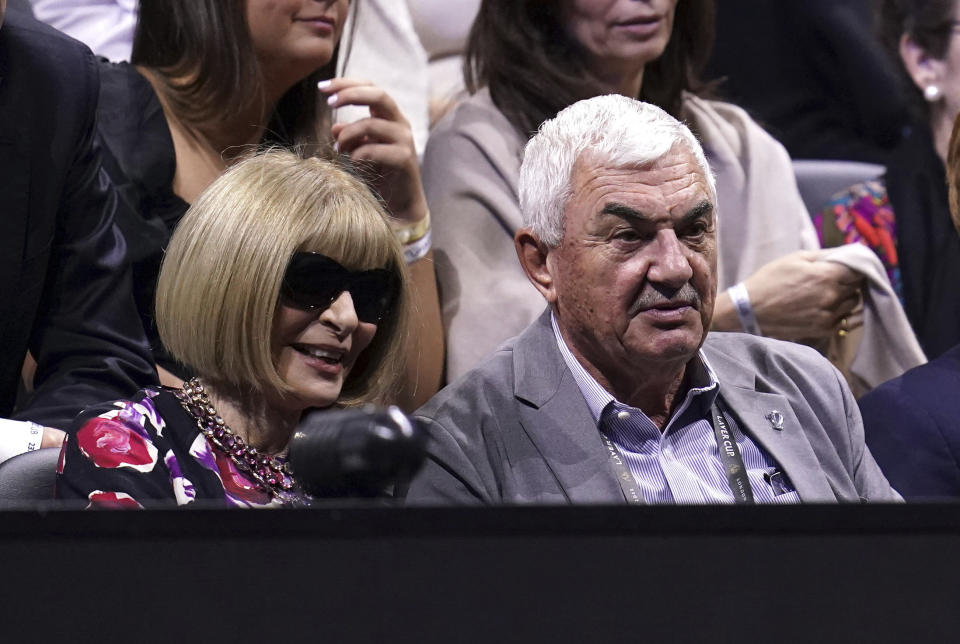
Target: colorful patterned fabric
[
  {"x": 863, "y": 214},
  {"x": 148, "y": 452}
]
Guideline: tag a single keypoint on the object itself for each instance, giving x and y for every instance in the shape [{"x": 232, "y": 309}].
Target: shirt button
[{"x": 623, "y": 415}]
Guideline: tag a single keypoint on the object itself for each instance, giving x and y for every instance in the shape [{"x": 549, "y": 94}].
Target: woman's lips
[
  {"x": 324, "y": 360},
  {"x": 322, "y": 366},
  {"x": 643, "y": 27},
  {"x": 320, "y": 24}
]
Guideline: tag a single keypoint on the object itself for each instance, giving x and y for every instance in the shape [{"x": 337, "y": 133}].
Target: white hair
[{"x": 616, "y": 132}]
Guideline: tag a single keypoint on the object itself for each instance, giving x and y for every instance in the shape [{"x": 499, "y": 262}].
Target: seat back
[
  {"x": 29, "y": 476},
  {"x": 820, "y": 180}
]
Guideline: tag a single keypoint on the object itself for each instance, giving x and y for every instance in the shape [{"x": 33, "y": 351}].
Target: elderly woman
[
  {"x": 210, "y": 79},
  {"x": 283, "y": 289},
  {"x": 527, "y": 60},
  {"x": 903, "y": 216}
]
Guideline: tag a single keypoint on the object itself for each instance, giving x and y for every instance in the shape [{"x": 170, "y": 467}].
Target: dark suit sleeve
[
  {"x": 87, "y": 338},
  {"x": 917, "y": 447}
]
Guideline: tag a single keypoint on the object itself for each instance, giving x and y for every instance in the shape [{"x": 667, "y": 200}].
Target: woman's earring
[{"x": 931, "y": 93}]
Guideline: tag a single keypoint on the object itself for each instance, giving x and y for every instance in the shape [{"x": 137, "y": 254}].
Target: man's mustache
[{"x": 658, "y": 296}]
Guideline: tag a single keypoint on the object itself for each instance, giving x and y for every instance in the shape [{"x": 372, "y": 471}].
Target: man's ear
[
  {"x": 533, "y": 255},
  {"x": 924, "y": 69}
]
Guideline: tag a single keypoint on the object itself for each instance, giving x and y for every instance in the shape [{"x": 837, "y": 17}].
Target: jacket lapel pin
[{"x": 776, "y": 419}]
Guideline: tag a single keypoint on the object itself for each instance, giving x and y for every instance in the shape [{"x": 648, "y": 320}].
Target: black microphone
[{"x": 356, "y": 452}]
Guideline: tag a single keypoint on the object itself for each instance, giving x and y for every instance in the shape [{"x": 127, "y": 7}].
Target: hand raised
[{"x": 383, "y": 142}]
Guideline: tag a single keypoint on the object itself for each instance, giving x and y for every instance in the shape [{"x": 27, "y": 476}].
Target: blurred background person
[
  {"x": 526, "y": 60},
  {"x": 813, "y": 74},
  {"x": 105, "y": 26},
  {"x": 443, "y": 27},
  {"x": 65, "y": 291},
  {"x": 903, "y": 215},
  {"x": 911, "y": 422},
  {"x": 384, "y": 47},
  {"x": 211, "y": 78},
  {"x": 283, "y": 289}
]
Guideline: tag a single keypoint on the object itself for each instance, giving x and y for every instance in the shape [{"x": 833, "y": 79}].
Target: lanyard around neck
[
  {"x": 730, "y": 456},
  {"x": 628, "y": 484}
]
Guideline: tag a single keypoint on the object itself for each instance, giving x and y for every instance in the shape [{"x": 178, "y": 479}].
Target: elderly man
[{"x": 612, "y": 395}]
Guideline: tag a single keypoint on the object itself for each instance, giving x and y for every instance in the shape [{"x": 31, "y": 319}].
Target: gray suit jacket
[{"x": 517, "y": 429}]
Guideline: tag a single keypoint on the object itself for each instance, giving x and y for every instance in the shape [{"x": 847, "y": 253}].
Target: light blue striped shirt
[{"x": 681, "y": 464}]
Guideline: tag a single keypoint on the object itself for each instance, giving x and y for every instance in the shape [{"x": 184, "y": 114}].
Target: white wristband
[
  {"x": 741, "y": 303},
  {"x": 418, "y": 249},
  {"x": 17, "y": 437}
]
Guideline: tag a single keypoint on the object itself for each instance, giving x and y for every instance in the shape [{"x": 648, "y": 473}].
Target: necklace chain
[{"x": 268, "y": 473}]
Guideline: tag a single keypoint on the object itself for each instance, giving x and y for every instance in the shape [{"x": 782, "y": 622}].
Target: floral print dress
[{"x": 149, "y": 452}]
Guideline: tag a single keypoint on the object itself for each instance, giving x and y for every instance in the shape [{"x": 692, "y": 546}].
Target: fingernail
[
  {"x": 336, "y": 147},
  {"x": 324, "y": 84},
  {"x": 332, "y": 100}
]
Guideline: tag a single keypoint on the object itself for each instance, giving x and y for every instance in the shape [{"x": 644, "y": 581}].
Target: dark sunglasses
[{"x": 314, "y": 281}]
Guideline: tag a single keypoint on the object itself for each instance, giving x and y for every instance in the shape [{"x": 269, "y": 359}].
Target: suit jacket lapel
[
  {"x": 788, "y": 446},
  {"x": 556, "y": 418}
]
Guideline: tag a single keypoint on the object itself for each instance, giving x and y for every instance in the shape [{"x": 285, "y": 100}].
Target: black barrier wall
[{"x": 588, "y": 574}]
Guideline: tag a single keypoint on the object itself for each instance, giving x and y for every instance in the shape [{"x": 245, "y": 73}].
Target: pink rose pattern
[
  {"x": 119, "y": 438},
  {"x": 112, "y": 501},
  {"x": 109, "y": 443},
  {"x": 127, "y": 440},
  {"x": 238, "y": 489}
]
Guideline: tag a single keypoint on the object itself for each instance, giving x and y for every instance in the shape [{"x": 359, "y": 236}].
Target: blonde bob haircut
[{"x": 220, "y": 281}]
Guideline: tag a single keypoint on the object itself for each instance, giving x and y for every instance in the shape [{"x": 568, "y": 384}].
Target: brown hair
[
  {"x": 953, "y": 172},
  {"x": 519, "y": 50},
  {"x": 206, "y": 63},
  {"x": 220, "y": 280}
]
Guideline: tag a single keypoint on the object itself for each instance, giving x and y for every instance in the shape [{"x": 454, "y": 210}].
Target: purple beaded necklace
[{"x": 269, "y": 473}]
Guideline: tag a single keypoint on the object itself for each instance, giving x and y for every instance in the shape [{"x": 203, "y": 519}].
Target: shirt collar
[{"x": 703, "y": 379}]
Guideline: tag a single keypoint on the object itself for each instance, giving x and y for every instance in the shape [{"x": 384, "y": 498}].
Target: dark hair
[
  {"x": 928, "y": 23},
  {"x": 520, "y": 50},
  {"x": 203, "y": 55}
]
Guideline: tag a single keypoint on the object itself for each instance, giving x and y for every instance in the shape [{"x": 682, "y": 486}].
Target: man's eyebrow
[
  {"x": 703, "y": 210},
  {"x": 623, "y": 211}
]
